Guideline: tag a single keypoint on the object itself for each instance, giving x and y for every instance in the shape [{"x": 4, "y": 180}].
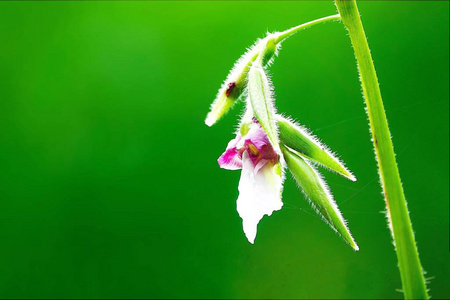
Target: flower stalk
[
  {"x": 287, "y": 33},
  {"x": 261, "y": 53},
  {"x": 411, "y": 272}
]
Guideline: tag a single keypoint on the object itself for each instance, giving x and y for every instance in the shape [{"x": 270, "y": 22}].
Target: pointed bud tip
[
  {"x": 209, "y": 121},
  {"x": 352, "y": 177},
  {"x": 353, "y": 244}
]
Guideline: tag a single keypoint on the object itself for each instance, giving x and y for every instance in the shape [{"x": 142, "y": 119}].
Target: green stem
[
  {"x": 411, "y": 272},
  {"x": 287, "y": 33}
]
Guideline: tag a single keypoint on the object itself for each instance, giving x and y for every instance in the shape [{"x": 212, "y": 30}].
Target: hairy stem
[
  {"x": 287, "y": 33},
  {"x": 408, "y": 258}
]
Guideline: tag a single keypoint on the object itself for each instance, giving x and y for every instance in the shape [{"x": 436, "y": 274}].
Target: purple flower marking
[{"x": 255, "y": 143}]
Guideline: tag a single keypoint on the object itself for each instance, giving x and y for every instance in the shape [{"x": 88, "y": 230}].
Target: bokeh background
[{"x": 109, "y": 184}]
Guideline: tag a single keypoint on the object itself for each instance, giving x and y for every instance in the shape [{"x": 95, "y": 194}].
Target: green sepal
[
  {"x": 298, "y": 139},
  {"x": 262, "y": 103},
  {"x": 316, "y": 190}
]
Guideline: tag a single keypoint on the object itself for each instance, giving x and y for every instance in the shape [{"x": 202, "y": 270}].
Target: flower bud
[{"x": 236, "y": 82}]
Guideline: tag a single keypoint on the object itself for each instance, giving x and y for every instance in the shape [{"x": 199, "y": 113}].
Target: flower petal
[
  {"x": 258, "y": 138},
  {"x": 259, "y": 195},
  {"x": 259, "y": 166},
  {"x": 230, "y": 159}
]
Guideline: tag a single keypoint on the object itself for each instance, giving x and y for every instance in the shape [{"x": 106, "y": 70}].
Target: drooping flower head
[
  {"x": 261, "y": 180},
  {"x": 267, "y": 143}
]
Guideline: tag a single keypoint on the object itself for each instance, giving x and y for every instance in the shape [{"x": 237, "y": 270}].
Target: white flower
[{"x": 261, "y": 180}]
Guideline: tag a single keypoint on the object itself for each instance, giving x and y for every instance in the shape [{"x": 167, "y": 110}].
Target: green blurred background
[{"x": 109, "y": 183}]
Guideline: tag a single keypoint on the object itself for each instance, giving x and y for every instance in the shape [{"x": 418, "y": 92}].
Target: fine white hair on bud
[
  {"x": 300, "y": 139},
  {"x": 266, "y": 49},
  {"x": 261, "y": 98},
  {"x": 235, "y": 84},
  {"x": 311, "y": 183}
]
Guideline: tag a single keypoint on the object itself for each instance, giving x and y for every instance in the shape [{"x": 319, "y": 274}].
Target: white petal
[{"x": 259, "y": 195}]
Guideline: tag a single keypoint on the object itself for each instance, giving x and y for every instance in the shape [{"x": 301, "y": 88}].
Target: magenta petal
[
  {"x": 230, "y": 160},
  {"x": 256, "y": 144},
  {"x": 258, "y": 137}
]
